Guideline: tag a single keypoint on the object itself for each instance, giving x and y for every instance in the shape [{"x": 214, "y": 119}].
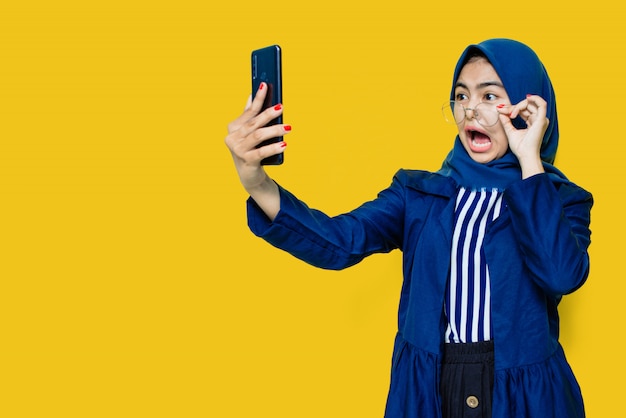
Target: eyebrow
[{"x": 481, "y": 85}]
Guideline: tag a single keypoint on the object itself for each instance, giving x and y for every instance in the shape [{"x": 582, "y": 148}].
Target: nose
[
  {"x": 470, "y": 109},
  {"x": 470, "y": 113}
]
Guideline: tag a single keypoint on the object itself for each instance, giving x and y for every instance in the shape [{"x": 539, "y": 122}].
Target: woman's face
[{"x": 478, "y": 83}]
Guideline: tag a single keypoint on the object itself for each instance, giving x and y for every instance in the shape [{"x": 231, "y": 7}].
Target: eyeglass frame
[{"x": 465, "y": 109}]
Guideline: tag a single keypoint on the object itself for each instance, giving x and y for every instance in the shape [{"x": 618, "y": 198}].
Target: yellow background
[{"x": 130, "y": 285}]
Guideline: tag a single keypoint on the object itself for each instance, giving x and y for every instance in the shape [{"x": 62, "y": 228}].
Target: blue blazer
[{"x": 536, "y": 251}]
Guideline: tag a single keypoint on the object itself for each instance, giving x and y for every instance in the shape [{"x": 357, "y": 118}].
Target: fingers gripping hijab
[{"x": 522, "y": 73}]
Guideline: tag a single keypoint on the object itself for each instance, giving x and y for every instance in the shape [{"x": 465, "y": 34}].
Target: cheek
[
  {"x": 462, "y": 136},
  {"x": 499, "y": 135},
  {"x": 465, "y": 143},
  {"x": 461, "y": 133},
  {"x": 503, "y": 144}
]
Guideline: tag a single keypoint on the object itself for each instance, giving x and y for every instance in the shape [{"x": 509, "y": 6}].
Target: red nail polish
[
  {"x": 287, "y": 128},
  {"x": 528, "y": 95},
  {"x": 261, "y": 86},
  {"x": 501, "y": 105},
  {"x": 278, "y": 107},
  {"x": 283, "y": 144}
]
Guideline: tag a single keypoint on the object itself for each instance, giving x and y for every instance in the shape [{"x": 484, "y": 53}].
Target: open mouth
[{"x": 478, "y": 141}]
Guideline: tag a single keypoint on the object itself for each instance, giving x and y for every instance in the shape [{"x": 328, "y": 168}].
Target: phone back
[{"x": 267, "y": 67}]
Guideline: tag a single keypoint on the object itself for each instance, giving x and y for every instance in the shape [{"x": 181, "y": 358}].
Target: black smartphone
[{"x": 267, "y": 67}]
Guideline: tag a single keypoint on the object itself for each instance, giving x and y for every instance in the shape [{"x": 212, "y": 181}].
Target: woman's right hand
[{"x": 244, "y": 135}]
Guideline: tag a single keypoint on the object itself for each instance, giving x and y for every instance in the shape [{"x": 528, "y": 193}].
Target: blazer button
[{"x": 472, "y": 402}]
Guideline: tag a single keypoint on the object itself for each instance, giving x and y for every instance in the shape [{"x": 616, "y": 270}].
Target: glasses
[{"x": 484, "y": 113}]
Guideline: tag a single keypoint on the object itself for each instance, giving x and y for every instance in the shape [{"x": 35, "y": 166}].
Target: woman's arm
[
  {"x": 244, "y": 135},
  {"x": 333, "y": 242},
  {"x": 551, "y": 223}
]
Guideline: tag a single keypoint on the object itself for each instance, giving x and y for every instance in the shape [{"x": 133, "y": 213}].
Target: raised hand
[{"x": 526, "y": 143}]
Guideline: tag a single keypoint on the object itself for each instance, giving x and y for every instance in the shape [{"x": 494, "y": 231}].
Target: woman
[{"x": 490, "y": 244}]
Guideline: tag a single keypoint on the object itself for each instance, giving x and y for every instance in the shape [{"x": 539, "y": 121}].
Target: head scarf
[{"x": 522, "y": 73}]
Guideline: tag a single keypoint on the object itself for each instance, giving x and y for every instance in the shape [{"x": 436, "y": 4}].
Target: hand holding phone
[{"x": 267, "y": 68}]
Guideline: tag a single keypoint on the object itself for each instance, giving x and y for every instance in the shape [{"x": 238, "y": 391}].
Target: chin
[{"x": 483, "y": 158}]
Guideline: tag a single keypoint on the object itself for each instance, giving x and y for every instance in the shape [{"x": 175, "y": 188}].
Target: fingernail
[
  {"x": 287, "y": 127},
  {"x": 528, "y": 95},
  {"x": 278, "y": 107},
  {"x": 283, "y": 144},
  {"x": 501, "y": 105},
  {"x": 261, "y": 86}
]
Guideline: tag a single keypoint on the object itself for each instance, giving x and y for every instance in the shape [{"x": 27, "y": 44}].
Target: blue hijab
[{"x": 522, "y": 73}]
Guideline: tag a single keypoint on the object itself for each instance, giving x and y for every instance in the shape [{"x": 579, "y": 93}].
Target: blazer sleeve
[
  {"x": 551, "y": 223},
  {"x": 333, "y": 242}
]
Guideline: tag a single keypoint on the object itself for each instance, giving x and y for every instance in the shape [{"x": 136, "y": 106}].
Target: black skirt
[{"x": 467, "y": 380}]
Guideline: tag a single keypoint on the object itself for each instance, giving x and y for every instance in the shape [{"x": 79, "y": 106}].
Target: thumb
[{"x": 507, "y": 123}]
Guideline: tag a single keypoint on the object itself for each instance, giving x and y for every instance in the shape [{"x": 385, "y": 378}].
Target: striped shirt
[{"x": 468, "y": 299}]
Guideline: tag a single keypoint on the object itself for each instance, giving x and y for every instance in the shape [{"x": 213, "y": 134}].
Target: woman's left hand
[{"x": 526, "y": 143}]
